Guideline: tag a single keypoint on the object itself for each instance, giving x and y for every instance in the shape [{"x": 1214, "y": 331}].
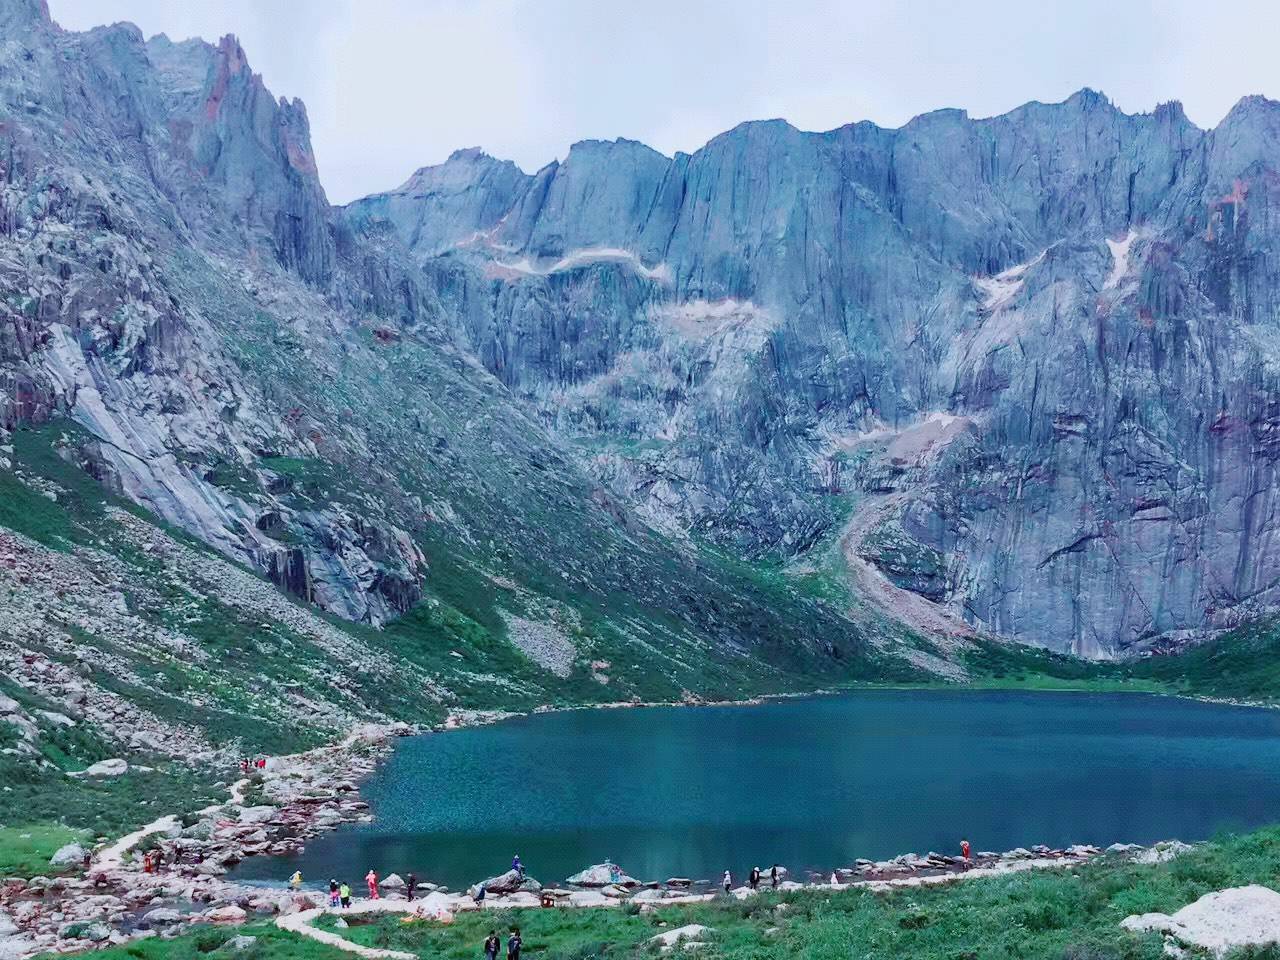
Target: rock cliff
[
  {"x": 1022, "y": 370},
  {"x": 1040, "y": 348},
  {"x": 185, "y": 318}
]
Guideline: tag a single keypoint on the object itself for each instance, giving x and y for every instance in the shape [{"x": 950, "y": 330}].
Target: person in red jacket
[
  {"x": 371, "y": 879},
  {"x": 964, "y": 854}
]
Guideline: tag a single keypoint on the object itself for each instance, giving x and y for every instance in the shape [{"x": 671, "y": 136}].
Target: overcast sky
[{"x": 392, "y": 85}]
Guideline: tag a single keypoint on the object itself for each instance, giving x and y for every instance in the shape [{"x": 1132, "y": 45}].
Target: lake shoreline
[{"x": 305, "y": 795}]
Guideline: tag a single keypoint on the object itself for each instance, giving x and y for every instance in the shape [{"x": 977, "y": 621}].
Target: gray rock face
[
  {"x": 746, "y": 336},
  {"x": 291, "y": 385},
  {"x": 1026, "y": 367}
]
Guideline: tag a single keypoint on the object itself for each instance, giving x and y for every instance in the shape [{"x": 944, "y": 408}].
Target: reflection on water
[{"x": 809, "y": 783}]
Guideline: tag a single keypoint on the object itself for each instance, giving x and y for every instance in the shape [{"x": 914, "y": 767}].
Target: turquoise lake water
[{"x": 810, "y": 784}]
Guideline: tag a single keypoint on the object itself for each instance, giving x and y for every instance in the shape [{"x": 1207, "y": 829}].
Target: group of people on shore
[
  {"x": 756, "y": 875},
  {"x": 339, "y": 894},
  {"x": 754, "y": 878}
]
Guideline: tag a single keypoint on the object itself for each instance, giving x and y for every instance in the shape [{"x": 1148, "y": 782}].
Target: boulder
[
  {"x": 690, "y": 932},
  {"x": 393, "y": 881},
  {"x": 588, "y": 898},
  {"x": 1163, "y": 852},
  {"x": 241, "y": 942},
  {"x": 70, "y": 855},
  {"x": 1220, "y": 922},
  {"x": 521, "y": 898},
  {"x": 161, "y": 916},
  {"x": 257, "y": 814},
  {"x": 511, "y": 882},
  {"x": 96, "y": 932},
  {"x": 104, "y": 768},
  {"x": 601, "y": 875},
  {"x": 228, "y": 914}
]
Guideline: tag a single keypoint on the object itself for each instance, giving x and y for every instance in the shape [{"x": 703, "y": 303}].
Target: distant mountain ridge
[
  {"x": 1023, "y": 369},
  {"x": 763, "y": 330}
]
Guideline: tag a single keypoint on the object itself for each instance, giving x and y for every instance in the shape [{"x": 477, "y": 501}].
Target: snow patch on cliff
[
  {"x": 999, "y": 290},
  {"x": 526, "y": 266},
  {"x": 1120, "y": 250}
]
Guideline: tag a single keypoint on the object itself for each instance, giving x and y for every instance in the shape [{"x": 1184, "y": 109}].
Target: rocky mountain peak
[
  {"x": 15, "y": 14},
  {"x": 1021, "y": 368}
]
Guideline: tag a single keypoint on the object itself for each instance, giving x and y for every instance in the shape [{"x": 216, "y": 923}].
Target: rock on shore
[{"x": 1218, "y": 922}]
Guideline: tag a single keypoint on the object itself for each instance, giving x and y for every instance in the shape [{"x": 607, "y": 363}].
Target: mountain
[
  {"x": 255, "y": 486},
  {"x": 796, "y": 409},
  {"x": 1024, "y": 367}
]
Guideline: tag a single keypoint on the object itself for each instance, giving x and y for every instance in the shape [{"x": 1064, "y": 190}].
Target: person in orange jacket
[{"x": 371, "y": 879}]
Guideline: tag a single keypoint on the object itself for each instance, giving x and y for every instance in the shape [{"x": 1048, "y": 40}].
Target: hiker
[
  {"x": 773, "y": 876},
  {"x": 148, "y": 862},
  {"x": 411, "y": 885},
  {"x": 492, "y": 945},
  {"x": 964, "y": 855},
  {"x": 371, "y": 879},
  {"x": 296, "y": 881},
  {"x": 344, "y": 894},
  {"x": 333, "y": 894},
  {"x": 88, "y": 861},
  {"x": 514, "y": 943},
  {"x": 615, "y": 871},
  {"x": 480, "y": 891},
  {"x": 517, "y": 866},
  {"x": 728, "y": 881},
  {"x": 755, "y": 878},
  {"x": 244, "y": 764}
]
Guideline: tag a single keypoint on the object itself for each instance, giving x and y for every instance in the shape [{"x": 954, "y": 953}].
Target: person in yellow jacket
[{"x": 296, "y": 881}]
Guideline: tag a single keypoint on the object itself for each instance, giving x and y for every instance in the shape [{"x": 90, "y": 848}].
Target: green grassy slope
[{"x": 450, "y": 651}]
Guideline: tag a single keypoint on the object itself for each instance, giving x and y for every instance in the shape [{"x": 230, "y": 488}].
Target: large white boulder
[
  {"x": 228, "y": 914},
  {"x": 104, "y": 768},
  {"x": 602, "y": 875},
  {"x": 1163, "y": 852},
  {"x": 689, "y": 933},
  {"x": 67, "y": 856},
  {"x": 257, "y": 814},
  {"x": 1221, "y": 921}
]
